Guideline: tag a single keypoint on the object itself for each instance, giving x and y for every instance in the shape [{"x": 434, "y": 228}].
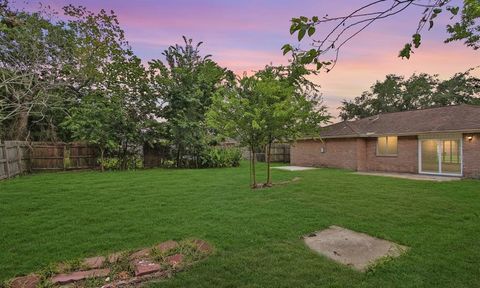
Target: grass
[{"x": 256, "y": 234}]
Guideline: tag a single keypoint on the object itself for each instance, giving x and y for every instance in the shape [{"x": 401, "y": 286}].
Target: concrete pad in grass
[
  {"x": 293, "y": 168},
  {"x": 354, "y": 249}
]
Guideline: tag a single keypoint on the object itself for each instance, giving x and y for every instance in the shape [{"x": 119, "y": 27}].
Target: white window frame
[
  {"x": 387, "y": 155},
  {"x": 439, "y": 152}
]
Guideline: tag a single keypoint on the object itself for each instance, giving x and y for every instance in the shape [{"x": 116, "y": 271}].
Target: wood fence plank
[
  {"x": 19, "y": 160},
  {"x": 64, "y": 164},
  {"x": 7, "y": 165},
  {"x": 44, "y": 156}
]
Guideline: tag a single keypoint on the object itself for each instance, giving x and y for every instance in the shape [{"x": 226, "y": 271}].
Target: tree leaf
[
  {"x": 293, "y": 28},
  {"x": 287, "y": 48},
  {"x": 301, "y": 34},
  {"x": 405, "y": 52},
  {"x": 416, "y": 40}
]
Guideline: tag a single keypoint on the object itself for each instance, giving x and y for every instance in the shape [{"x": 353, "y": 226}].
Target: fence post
[
  {"x": 64, "y": 157},
  {"x": 30, "y": 157},
  {"x": 19, "y": 160},
  {"x": 7, "y": 165}
]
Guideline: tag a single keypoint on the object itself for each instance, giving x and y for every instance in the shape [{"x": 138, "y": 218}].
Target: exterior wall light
[{"x": 470, "y": 138}]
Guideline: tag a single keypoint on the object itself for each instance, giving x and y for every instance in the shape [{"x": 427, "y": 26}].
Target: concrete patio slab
[
  {"x": 421, "y": 177},
  {"x": 293, "y": 168},
  {"x": 354, "y": 249}
]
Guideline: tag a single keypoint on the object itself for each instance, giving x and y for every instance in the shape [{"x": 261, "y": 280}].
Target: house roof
[{"x": 458, "y": 118}]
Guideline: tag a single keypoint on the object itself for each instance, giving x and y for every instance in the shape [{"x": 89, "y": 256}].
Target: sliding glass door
[
  {"x": 441, "y": 156},
  {"x": 451, "y": 162},
  {"x": 429, "y": 151}
]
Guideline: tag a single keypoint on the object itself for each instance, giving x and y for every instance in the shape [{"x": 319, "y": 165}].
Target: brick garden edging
[{"x": 120, "y": 269}]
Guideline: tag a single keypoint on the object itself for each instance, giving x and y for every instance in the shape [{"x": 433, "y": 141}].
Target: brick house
[{"x": 439, "y": 141}]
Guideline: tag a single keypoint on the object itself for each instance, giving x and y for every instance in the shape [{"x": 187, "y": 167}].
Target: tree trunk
[
  {"x": 178, "y": 156},
  {"x": 250, "y": 163},
  {"x": 19, "y": 129},
  {"x": 123, "y": 160},
  {"x": 269, "y": 150},
  {"x": 254, "y": 178},
  {"x": 197, "y": 156},
  {"x": 102, "y": 168}
]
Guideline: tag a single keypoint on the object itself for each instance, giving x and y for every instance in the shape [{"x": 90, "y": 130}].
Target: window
[
  {"x": 451, "y": 151},
  {"x": 387, "y": 146}
]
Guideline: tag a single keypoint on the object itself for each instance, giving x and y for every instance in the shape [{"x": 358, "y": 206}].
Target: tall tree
[
  {"x": 462, "y": 26},
  {"x": 96, "y": 121},
  {"x": 396, "y": 93},
  {"x": 104, "y": 65},
  {"x": 183, "y": 85},
  {"x": 48, "y": 66},
  {"x": 31, "y": 70}
]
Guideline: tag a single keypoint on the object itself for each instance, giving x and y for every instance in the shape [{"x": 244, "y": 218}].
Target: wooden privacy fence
[
  {"x": 280, "y": 153},
  {"x": 62, "y": 156},
  {"x": 155, "y": 156},
  {"x": 13, "y": 158},
  {"x": 19, "y": 157}
]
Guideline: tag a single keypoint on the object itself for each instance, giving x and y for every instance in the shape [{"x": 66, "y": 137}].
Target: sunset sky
[{"x": 246, "y": 35}]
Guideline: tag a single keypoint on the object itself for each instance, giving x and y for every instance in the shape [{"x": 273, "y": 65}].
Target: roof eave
[{"x": 463, "y": 131}]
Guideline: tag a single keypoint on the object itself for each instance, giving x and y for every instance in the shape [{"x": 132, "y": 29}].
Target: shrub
[
  {"x": 218, "y": 157},
  {"x": 114, "y": 163}
]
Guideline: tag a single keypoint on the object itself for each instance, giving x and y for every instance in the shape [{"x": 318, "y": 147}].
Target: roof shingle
[{"x": 465, "y": 118}]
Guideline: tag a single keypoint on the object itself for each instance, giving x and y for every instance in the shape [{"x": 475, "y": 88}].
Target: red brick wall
[
  {"x": 362, "y": 164},
  {"x": 361, "y": 154},
  {"x": 406, "y": 160},
  {"x": 339, "y": 153},
  {"x": 471, "y": 156},
  {"x": 356, "y": 154}
]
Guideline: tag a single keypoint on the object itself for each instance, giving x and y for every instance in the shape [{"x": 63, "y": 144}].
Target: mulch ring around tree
[{"x": 121, "y": 269}]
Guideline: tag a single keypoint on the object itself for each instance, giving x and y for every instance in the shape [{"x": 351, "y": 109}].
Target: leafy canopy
[
  {"x": 275, "y": 104},
  {"x": 396, "y": 93},
  {"x": 183, "y": 85}
]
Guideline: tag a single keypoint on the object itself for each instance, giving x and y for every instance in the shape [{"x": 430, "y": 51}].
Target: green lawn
[{"x": 53, "y": 217}]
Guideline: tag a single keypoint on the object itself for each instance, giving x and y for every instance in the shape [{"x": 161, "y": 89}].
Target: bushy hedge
[
  {"x": 114, "y": 163},
  {"x": 218, "y": 157}
]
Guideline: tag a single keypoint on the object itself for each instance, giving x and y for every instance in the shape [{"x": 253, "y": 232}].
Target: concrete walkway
[
  {"x": 293, "y": 168},
  {"x": 410, "y": 176}
]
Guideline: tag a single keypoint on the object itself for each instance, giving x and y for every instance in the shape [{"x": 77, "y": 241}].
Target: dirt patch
[
  {"x": 274, "y": 184},
  {"x": 357, "y": 250},
  {"x": 295, "y": 179}
]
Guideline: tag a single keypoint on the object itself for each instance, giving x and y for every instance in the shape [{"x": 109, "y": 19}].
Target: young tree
[
  {"x": 183, "y": 85},
  {"x": 352, "y": 24},
  {"x": 236, "y": 113},
  {"x": 292, "y": 106},
  {"x": 269, "y": 106}
]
